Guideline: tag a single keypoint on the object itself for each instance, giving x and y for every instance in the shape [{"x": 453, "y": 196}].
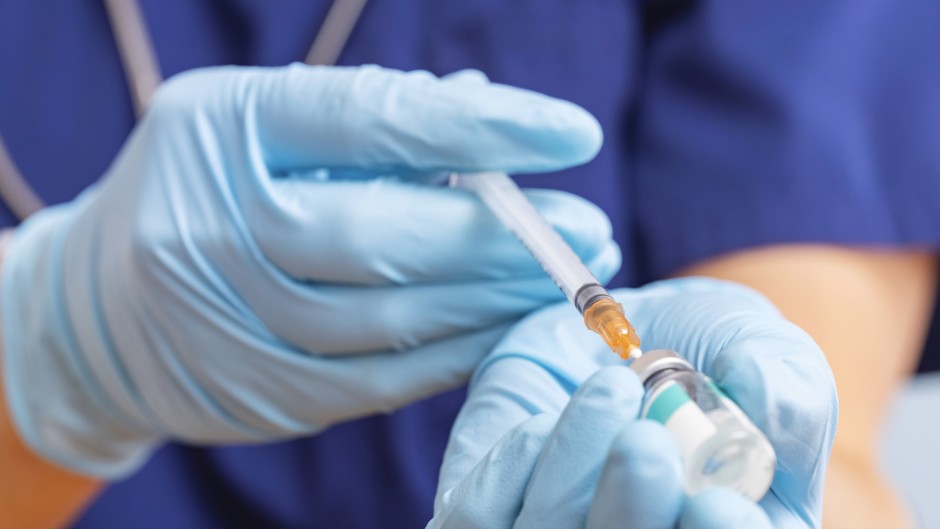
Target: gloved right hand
[
  {"x": 550, "y": 434},
  {"x": 592, "y": 464},
  {"x": 242, "y": 274}
]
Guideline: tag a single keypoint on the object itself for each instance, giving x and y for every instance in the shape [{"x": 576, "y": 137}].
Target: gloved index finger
[{"x": 377, "y": 118}]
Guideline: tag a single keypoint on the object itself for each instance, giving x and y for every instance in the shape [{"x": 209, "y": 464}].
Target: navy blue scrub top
[{"x": 738, "y": 123}]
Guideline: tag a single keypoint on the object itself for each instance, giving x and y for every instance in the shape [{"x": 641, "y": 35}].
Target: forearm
[
  {"x": 35, "y": 494},
  {"x": 868, "y": 310}
]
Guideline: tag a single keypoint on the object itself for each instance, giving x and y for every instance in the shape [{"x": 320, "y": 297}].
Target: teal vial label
[{"x": 672, "y": 407}]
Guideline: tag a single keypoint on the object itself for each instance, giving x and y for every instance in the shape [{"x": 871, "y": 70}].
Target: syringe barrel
[{"x": 514, "y": 210}]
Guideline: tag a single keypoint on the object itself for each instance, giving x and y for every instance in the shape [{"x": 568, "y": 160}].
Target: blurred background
[{"x": 909, "y": 447}]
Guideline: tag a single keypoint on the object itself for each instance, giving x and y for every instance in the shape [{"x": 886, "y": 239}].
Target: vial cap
[{"x": 654, "y": 361}]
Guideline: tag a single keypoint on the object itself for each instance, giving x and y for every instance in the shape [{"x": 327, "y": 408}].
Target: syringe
[{"x": 602, "y": 314}]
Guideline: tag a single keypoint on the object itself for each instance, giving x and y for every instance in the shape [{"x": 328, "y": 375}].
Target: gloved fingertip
[
  {"x": 641, "y": 480},
  {"x": 650, "y": 453},
  {"x": 545, "y": 133},
  {"x": 584, "y": 136},
  {"x": 722, "y": 508}
]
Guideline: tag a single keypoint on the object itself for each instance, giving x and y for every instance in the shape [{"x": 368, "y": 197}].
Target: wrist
[
  {"x": 34, "y": 492},
  {"x": 53, "y": 388}
]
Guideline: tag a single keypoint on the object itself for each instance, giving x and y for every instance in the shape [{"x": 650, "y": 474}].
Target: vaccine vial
[{"x": 720, "y": 446}]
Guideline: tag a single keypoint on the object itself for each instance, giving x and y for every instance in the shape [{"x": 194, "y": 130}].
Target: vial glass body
[{"x": 720, "y": 446}]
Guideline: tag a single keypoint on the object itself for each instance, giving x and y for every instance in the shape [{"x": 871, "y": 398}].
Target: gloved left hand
[
  {"x": 541, "y": 442},
  {"x": 242, "y": 273}
]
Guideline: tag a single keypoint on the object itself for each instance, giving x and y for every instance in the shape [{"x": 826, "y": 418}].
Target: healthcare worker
[{"x": 218, "y": 283}]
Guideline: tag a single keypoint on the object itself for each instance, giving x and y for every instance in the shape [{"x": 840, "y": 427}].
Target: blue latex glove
[
  {"x": 536, "y": 446},
  {"x": 240, "y": 274}
]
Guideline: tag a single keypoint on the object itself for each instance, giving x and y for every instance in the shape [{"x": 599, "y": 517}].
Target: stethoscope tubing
[{"x": 142, "y": 69}]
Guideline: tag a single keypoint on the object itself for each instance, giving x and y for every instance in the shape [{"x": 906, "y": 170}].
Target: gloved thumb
[
  {"x": 641, "y": 480},
  {"x": 722, "y": 508}
]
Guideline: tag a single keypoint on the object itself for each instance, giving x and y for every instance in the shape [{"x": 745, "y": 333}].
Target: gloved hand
[
  {"x": 536, "y": 446},
  {"x": 242, "y": 274}
]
